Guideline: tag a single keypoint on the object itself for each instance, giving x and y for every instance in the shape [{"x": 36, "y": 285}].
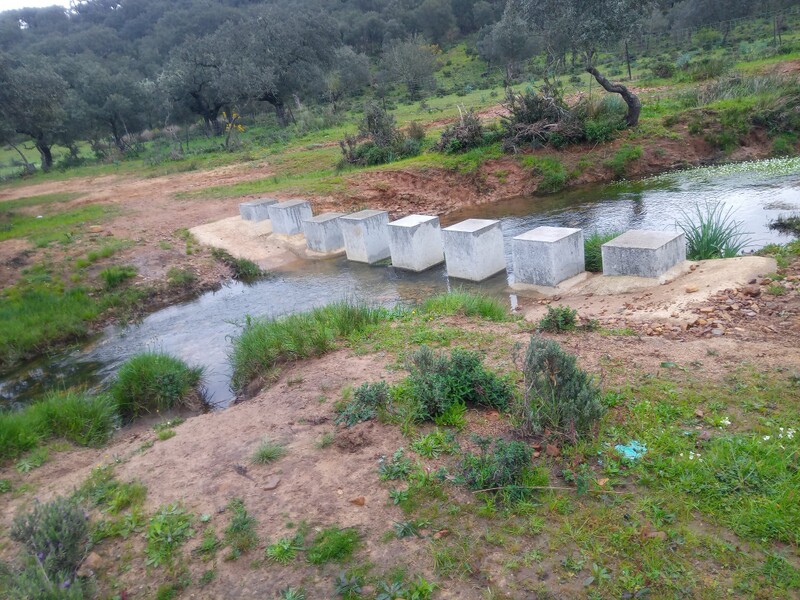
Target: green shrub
[
  {"x": 115, "y": 275},
  {"x": 559, "y": 396},
  {"x": 662, "y": 69},
  {"x": 180, "y": 277},
  {"x": 784, "y": 144},
  {"x": 436, "y": 382},
  {"x": 153, "y": 381},
  {"x": 55, "y": 534},
  {"x": 367, "y": 399},
  {"x": 84, "y": 420},
  {"x": 103, "y": 490},
  {"x": 554, "y": 175},
  {"x": 264, "y": 344},
  {"x": 592, "y": 249},
  {"x": 601, "y": 130},
  {"x": 711, "y": 232},
  {"x": 435, "y": 443},
  {"x": 468, "y": 304},
  {"x": 558, "y": 318},
  {"x": 332, "y": 544},
  {"x": 500, "y": 464}
]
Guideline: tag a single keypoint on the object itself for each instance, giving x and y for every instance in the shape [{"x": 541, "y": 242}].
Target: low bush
[
  {"x": 82, "y": 419},
  {"x": 536, "y": 119},
  {"x": 712, "y": 232},
  {"x": 662, "y": 69},
  {"x": 384, "y": 143},
  {"x": 154, "y": 381},
  {"x": 622, "y": 159},
  {"x": 559, "y": 396},
  {"x": 166, "y": 532},
  {"x": 463, "y": 135},
  {"x": 266, "y": 343},
  {"x": 592, "y": 250},
  {"x": 558, "y": 319},
  {"x": 267, "y": 452},
  {"x": 55, "y": 534},
  {"x": 367, "y": 400},
  {"x": 240, "y": 534},
  {"x": 437, "y": 382},
  {"x": 500, "y": 464}
]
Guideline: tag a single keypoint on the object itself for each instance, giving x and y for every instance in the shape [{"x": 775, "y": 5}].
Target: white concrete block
[
  {"x": 366, "y": 236},
  {"x": 287, "y": 217},
  {"x": 415, "y": 242},
  {"x": 643, "y": 253},
  {"x": 473, "y": 249},
  {"x": 547, "y": 255},
  {"x": 324, "y": 232},
  {"x": 256, "y": 210}
]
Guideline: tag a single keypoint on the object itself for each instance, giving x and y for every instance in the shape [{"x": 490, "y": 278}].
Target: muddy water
[{"x": 200, "y": 331}]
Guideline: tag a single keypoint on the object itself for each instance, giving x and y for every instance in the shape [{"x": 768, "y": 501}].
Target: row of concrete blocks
[{"x": 473, "y": 249}]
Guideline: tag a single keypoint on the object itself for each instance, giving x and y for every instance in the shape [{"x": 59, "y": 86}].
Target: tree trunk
[
  {"x": 278, "y": 105},
  {"x": 631, "y": 99},
  {"x": 46, "y": 154},
  {"x": 29, "y": 167},
  {"x": 628, "y": 61}
]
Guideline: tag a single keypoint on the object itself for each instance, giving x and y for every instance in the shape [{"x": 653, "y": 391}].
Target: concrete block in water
[
  {"x": 473, "y": 249},
  {"x": 324, "y": 232},
  {"x": 287, "y": 217},
  {"x": 256, "y": 210},
  {"x": 415, "y": 242},
  {"x": 643, "y": 253},
  {"x": 547, "y": 255},
  {"x": 366, "y": 236}
]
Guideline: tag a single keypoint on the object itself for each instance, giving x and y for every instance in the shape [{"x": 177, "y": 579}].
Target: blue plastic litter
[{"x": 632, "y": 451}]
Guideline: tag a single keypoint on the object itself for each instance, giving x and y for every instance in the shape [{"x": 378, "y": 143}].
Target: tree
[
  {"x": 591, "y": 26},
  {"x": 412, "y": 62},
  {"x": 435, "y": 19},
  {"x": 507, "y": 44},
  {"x": 32, "y": 105},
  {"x": 348, "y": 77}
]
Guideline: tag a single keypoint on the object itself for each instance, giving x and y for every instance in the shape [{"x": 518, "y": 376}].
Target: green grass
[
  {"x": 267, "y": 452},
  {"x": 468, "y": 304},
  {"x": 82, "y": 419},
  {"x": 115, "y": 275},
  {"x": 593, "y": 255},
  {"x": 155, "y": 382},
  {"x": 622, "y": 159},
  {"x": 59, "y": 226},
  {"x": 42, "y": 200},
  {"x": 107, "y": 250},
  {"x": 242, "y": 269},
  {"x": 168, "y": 530},
  {"x": 553, "y": 173},
  {"x": 332, "y": 544},
  {"x": 266, "y": 343}
]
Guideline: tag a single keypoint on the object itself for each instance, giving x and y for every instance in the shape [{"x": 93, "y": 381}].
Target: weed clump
[
  {"x": 153, "y": 381},
  {"x": 332, "y": 544},
  {"x": 466, "y": 134},
  {"x": 167, "y": 531},
  {"x": 367, "y": 400},
  {"x": 712, "y": 232},
  {"x": 84, "y": 420},
  {"x": 242, "y": 269},
  {"x": 268, "y": 452},
  {"x": 384, "y": 143},
  {"x": 115, "y": 275},
  {"x": 240, "y": 534},
  {"x": 437, "y": 382},
  {"x": 559, "y": 397}
]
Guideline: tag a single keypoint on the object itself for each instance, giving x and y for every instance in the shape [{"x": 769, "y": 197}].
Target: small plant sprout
[{"x": 283, "y": 551}]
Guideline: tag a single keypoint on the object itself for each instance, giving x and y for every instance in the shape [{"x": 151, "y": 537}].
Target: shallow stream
[{"x": 199, "y": 331}]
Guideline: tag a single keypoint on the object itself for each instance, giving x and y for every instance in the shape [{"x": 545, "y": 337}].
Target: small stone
[
  {"x": 751, "y": 290},
  {"x": 90, "y": 565},
  {"x": 655, "y": 535},
  {"x": 272, "y": 482},
  {"x": 552, "y": 450},
  {"x": 699, "y": 413},
  {"x": 701, "y": 322},
  {"x": 691, "y": 289},
  {"x": 536, "y": 454},
  {"x": 707, "y": 310},
  {"x": 95, "y": 229},
  {"x": 602, "y": 482},
  {"x": 358, "y": 501},
  {"x": 440, "y": 534},
  {"x": 718, "y": 331},
  {"x": 704, "y": 435}
]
